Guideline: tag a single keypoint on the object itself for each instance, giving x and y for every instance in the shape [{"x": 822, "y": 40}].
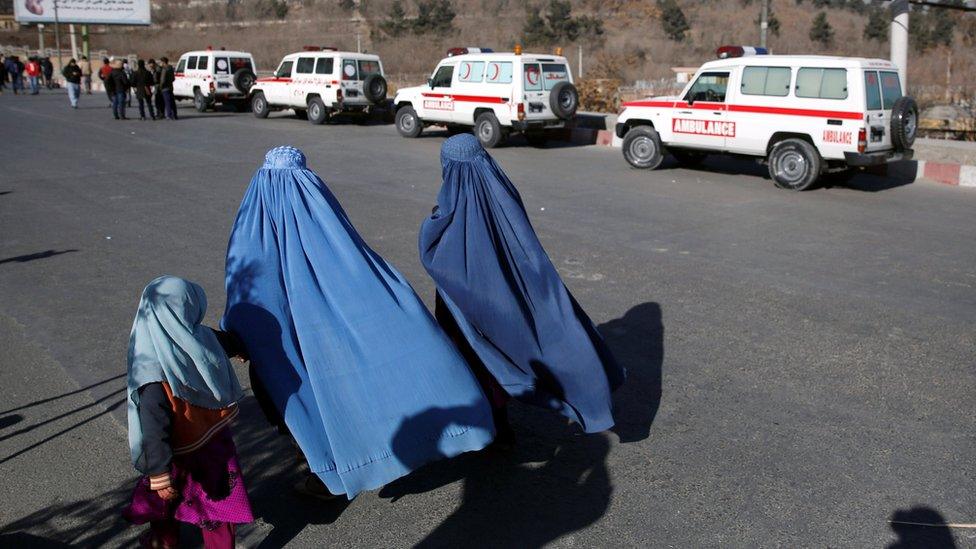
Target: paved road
[{"x": 801, "y": 365}]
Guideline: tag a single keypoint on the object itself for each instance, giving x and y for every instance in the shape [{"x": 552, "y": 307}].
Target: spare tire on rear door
[
  {"x": 904, "y": 123},
  {"x": 564, "y": 100},
  {"x": 243, "y": 80},
  {"x": 374, "y": 88}
]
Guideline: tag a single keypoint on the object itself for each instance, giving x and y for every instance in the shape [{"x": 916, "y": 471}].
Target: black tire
[
  {"x": 488, "y": 130},
  {"x": 317, "y": 113},
  {"x": 259, "y": 105},
  {"x": 301, "y": 114},
  {"x": 537, "y": 139},
  {"x": 904, "y": 123},
  {"x": 200, "y": 102},
  {"x": 688, "y": 158},
  {"x": 244, "y": 79},
  {"x": 564, "y": 100},
  {"x": 642, "y": 148},
  {"x": 408, "y": 124},
  {"x": 374, "y": 88},
  {"x": 794, "y": 164}
]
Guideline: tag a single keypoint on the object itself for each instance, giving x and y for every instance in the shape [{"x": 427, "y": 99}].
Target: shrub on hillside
[
  {"x": 673, "y": 20},
  {"x": 877, "y": 26},
  {"x": 559, "y": 24},
  {"x": 821, "y": 31}
]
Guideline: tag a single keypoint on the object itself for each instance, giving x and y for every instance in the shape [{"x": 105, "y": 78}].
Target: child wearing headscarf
[{"x": 182, "y": 396}]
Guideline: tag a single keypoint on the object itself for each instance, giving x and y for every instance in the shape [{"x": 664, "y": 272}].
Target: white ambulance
[
  {"x": 320, "y": 83},
  {"x": 805, "y": 115},
  {"x": 212, "y": 76},
  {"x": 496, "y": 93}
]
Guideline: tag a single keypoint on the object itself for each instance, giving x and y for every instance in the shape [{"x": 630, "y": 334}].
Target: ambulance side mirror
[
  {"x": 691, "y": 100},
  {"x": 430, "y": 83}
]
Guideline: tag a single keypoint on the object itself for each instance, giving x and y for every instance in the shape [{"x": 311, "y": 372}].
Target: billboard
[{"x": 95, "y": 12}]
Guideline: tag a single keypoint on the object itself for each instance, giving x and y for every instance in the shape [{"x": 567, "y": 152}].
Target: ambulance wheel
[
  {"x": 259, "y": 105},
  {"x": 317, "y": 114},
  {"x": 688, "y": 158},
  {"x": 904, "y": 123},
  {"x": 200, "y": 101},
  {"x": 794, "y": 164},
  {"x": 374, "y": 88},
  {"x": 488, "y": 130},
  {"x": 408, "y": 123},
  {"x": 642, "y": 148}
]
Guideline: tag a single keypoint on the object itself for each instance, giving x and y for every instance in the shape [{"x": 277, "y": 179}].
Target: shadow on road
[
  {"x": 69, "y": 393},
  {"x": 39, "y": 255},
  {"x": 918, "y": 536}
]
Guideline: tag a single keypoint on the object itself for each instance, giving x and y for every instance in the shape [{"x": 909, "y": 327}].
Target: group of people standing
[
  {"x": 150, "y": 82},
  {"x": 37, "y": 72},
  {"x": 344, "y": 356}
]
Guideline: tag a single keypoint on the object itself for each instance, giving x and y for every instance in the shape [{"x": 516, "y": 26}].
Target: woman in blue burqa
[
  {"x": 502, "y": 301},
  {"x": 339, "y": 342}
]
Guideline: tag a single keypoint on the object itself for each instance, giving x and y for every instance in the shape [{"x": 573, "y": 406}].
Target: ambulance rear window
[
  {"x": 238, "y": 63},
  {"x": 367, "y": 68},
  {"x": 820, "y": 83},
  {"x": 532, "y": 77},
  {"x": 890, "y": 88},
  {"x": 872, "y": 91},
  {"x": 349, "y": 69},
  {"x": 773, "y": 81},
  {"x": 554, "y": 73},
  {"x": 221, "y": 66}
]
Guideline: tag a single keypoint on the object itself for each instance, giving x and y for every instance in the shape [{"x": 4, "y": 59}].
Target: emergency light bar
[
  {"x": 461, "y": 51},
  {"x": 319, "y": 48},
  {"x": 726, "y": 52}
]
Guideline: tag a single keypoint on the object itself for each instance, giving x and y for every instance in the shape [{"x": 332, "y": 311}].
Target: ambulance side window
[
  {"x": 284, "y": 71},
  {"x": 499, "y": 72},
  {"x": 191, "y": 63},
  {"x": 819, "y": 83},
  {"x": 324, "y": 65},
  {"x": 203, "y": 62},
  {"x": 872, "y": 91},
  {"x": 772, "y": 81},
  {"x": 181, "y": 65},
  {"x": 305, "y": 65},
  {"x": 442, "y": 78},
  {"x": 710, "y": 86},
  {"x": 471, "y": 71}
]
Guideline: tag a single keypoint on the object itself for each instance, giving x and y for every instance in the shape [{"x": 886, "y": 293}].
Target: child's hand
[{"x": 168, "y": 494}]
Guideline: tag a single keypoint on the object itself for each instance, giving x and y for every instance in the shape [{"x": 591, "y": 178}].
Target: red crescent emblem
[
  {"x": 497, "y": 69},
  {"x": 467, "y": 71},
  {"x": 532, "y": 75}
]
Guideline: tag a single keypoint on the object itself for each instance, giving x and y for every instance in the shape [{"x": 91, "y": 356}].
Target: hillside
[{"x": 412, "y": 35}]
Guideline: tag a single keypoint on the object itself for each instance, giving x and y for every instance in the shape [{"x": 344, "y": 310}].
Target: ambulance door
[
  {"x": 438, "y": 103},
  {"x": 755, "y": 95},
  {"x": 700, "y": 117},
  {"x": 301, "y": 82},
  {"x": 182, "y": 75},
  {"x": 468, "y": 82},
  {"x": 278, "y": 90}
]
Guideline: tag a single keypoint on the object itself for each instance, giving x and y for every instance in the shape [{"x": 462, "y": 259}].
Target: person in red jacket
[
  {"x": 33, "y": 70},
  {"x": 103, "y": 73}
]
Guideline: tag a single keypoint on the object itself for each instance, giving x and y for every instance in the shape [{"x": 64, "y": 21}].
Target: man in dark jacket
[
  {"x": 72, "y": 79},
  {"x": 166, "y": 78},
  {"x": 120, "y": 85},
  {"x": 48, "y": 68},
  {"x": 3, "y": 72},
  {"x": 142, "y": 81},
  {"x": 157, "y": 95}
]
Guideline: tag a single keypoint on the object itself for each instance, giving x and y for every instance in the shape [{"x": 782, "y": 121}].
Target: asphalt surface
[{"x": 801, "y": 364}]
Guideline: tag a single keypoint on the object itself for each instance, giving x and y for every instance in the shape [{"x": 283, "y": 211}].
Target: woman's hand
[{"x": 168, "y": 494}]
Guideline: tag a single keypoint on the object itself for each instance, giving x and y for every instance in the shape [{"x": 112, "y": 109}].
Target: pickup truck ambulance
[
  {"x": 495, "y": 93},
  {"x": 804, "y": 115}
]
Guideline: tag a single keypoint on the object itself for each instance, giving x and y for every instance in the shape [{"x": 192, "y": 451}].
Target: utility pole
[
  {"x": 899, "y": 39},
  {"x": 74, "y": 41},
  {"x": 359, "y": 42},
  {"x": 40, "y": 39},
  {"x": 85, "y": 45},
  {"x": 57, "y": 37},
  {"x": 763, "y": 23},
  {"x": 579, "y": 61}
]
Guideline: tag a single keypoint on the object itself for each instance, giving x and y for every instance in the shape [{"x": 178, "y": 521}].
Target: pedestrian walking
[
  {"x": 366, "y": 382},
  {"x": 10, "y": 64},
  {"x": 19, "y": 69},
  {"x": 128, "y": 74},
  {"x": 501, "y": 299},
  {"x": 72, "y": 79},
  {"x": 157, "y": 95},
  {"x": 142, "y": 83},
  {"x": 86, "y": 73},
  {"x": 48, "y": 69},
  {"x": 33, "y": 70},
  {"x": 182, "y": 396},
  {"x": 3, "y": 72},
  {"x": 166, "y": 78},
  {"x": 120, "y": 85},
  {"x": 103, "y": 73}
]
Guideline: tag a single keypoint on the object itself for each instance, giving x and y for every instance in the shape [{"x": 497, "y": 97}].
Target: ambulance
[
  {"x": 320, "y": 83},
  {"x": 209, "y": 77},
  {"x": 805, "y": 116},
  {"x": 494, "y": 93}
]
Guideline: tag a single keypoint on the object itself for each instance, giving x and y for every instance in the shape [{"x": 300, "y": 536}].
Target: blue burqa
[
  {"x": 343, "y": 345},
  {"x": 506, "y": 296}
]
